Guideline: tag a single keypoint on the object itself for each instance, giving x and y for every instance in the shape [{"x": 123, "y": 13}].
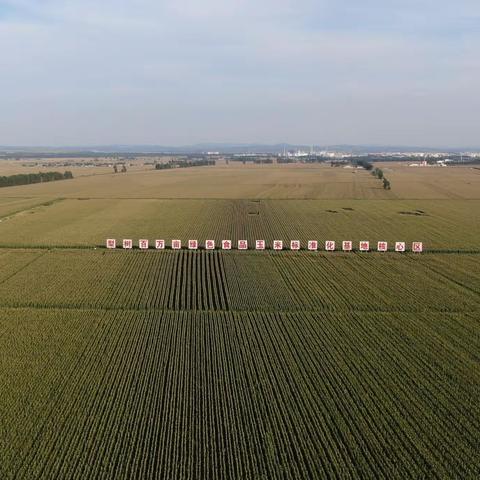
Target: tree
[
  {"x": 124, "y": 168},
  {"x": 386, "y": 184},
  {"x": 115, "y": 168}
]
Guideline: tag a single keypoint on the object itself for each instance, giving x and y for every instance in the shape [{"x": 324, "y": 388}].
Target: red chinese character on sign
[
  {"x": 329, "y": 245},
  {"x": 347, "y": 246},
  {"x": 193, "y": 244},
  {"x": 260, "y": 245},
  {"x": 210, "y": 244},
  {"x": 143, "y": 244},
  {"x": 226, "y": 244},
  {"x": 382, "y": 246},
  {"x": 127, "y": 243},
  {"x": 159, "y": 244},
  {"x": 295, "y": 245},
  {"x": 242, "y": 245},
  {"x": 111, "y": 243},
  {"x": 176, "y": 244},
  {"x": 364, "y": 246},
  {"x": 417, "y": 247},
  {"x": 312, "y": 245},
  {"x": 277, "y": 245},
  {"x": 399, "y": 246}
]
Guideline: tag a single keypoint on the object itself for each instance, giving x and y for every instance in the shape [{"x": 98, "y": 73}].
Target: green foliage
[{"x": 28, "y": 178}]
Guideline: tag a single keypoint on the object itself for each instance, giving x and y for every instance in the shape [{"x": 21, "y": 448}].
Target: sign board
[
  {"x": 312, "y": 245},
  {"x": 210, "y": 244},
  {"x": 192, "y": 244},
  {"x": 143, "y": 244},
  {"x": 243, "y": 245},
  {"x": 111, "y": 243},
  {"x": 127, "y": 243},
  {"x": 364, "y": 246},
  {"x": 260, "y": 245},
  {"x": 295, "y": 245},
  {"x": 382, "y": 246},
  {"x": 417, "y": 247},
  {"x": 278, "y": 245},
  {"x": 160, "y": 244},
  {"x": 226, "y": 244},
  {"x": 176, "y": 244},
  {"x": 400, "y": 246},
  {"x": 329, "y": 245},
  {"x": 347, "y": 245}
]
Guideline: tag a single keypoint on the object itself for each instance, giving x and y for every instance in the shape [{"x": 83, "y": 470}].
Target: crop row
[
  {"x": 244, "y": 395},
  {"x": 216, "y": 281}
]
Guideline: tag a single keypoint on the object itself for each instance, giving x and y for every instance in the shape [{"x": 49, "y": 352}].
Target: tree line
[
  {"x": 184, "y": 164},
  {"x": 28, "y": 178}
]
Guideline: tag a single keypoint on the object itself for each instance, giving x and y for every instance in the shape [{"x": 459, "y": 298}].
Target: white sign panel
[
  {"x": 295, "y": 245},
  {"x": 210, "y": 244},
  {"x": 226, "y": 244},
  {"x": 417, "y": 247},
  {"x": 382, "y": 246},
  {"x": 364, "y": 246},
  {"x": 160, "y": 244},
  {"x": 111, "y": 243},
  {"x": 347, "y": 245},
  {"x": 243, "y": 245},
  {"x": 260, "y": 245},
  {"x": 312, "y": 245},
  {"x": 143, "y": 244},
  {"x": 278, "y": 245},
  {"x": 192, "y": 244},
  {"x": 127, "y": 243},
  {"x": 329, "y": 245},
  {"x": 400, "y": 246},
  {"x": 176, "y": 244}
]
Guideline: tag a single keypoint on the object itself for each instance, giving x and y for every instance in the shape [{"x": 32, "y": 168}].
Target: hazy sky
[{"x": 79, "y": 72}]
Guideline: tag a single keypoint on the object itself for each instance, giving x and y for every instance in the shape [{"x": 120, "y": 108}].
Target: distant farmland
[{"x": 164, "y": 364}]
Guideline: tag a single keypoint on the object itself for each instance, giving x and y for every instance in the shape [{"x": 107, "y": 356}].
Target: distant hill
[{"x": 226, "y": 148}]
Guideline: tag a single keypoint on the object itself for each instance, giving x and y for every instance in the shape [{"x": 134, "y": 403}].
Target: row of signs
[{"x": 312, "y": 245}]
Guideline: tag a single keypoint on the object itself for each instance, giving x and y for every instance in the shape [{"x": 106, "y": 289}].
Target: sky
[{"x": 181, "y": 72}]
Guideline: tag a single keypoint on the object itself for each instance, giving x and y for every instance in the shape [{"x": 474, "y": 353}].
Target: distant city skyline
[{"x": 182, "y": 72}]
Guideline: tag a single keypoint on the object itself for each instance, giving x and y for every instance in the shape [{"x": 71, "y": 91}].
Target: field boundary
[
  {"x": 250, "y": 251},
  {"x": 82, "y": 308}
]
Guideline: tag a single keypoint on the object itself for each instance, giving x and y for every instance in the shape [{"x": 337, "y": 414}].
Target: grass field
[{"x": 162, "y": 364}]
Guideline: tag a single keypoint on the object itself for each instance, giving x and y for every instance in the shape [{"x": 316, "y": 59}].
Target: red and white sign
[
  {"x": 260, "y": 245},
  {"x": 329, "y": 245},
  {"x": 127, "y": 243},
  {"x": 210, "y": 244},
  {"x": 243, "y": 245},
  {"x": 382, "y": 246},
  {"x": 312, "y": 245},
  {"x": 160, "y": 244},
  {"x": 417, "y": 247},
  {"x": 364, "y": 246},
  {"x": 400, "y": 246},
  {"x": 192, "y": 244},
  {"x": 278, "y": 245},
  {"x": 295, "y": 245},
  {"x": 176, "y": 244},
  {"x": 111, "y": 243},
  {"x": 347, "y": 245},
  {"x": 143, "y": 244},
  {"x": 226, "y": 244}
]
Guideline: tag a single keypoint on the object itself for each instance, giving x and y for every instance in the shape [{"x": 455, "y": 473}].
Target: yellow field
[{"x": 267, "y": 181}]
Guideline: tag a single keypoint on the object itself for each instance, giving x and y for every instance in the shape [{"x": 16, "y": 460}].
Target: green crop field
[{"x": 237, "y": 365}]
